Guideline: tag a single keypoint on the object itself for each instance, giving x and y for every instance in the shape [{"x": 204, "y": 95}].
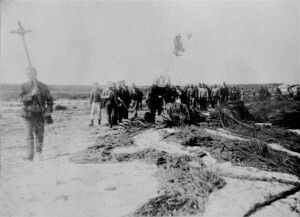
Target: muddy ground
[{"x": 52, "y": 185}]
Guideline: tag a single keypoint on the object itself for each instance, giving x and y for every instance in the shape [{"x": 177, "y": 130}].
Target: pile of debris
[
  {"x": 134, "y": 125},
  {"x": 251, "y": 152},
  {"x": 178, "y": 114},
  {"x": 174, "y": 114},
  {"x": 184, "y": 188},
  {"x": 283, "y": 114},
  {"x": 279, "y": 113},
  {"x": 102, "y": 149},
  {"x": 234, "y": 113},
  {"x": 288, "y": 118},
  {"x": 185, "y": 182}
]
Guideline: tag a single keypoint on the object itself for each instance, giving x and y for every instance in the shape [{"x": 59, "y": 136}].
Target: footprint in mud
[{"x": 62, "y": 197}]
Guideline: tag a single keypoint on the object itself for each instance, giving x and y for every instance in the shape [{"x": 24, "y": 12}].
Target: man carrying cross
[
  {"x": 37, "y": 104},
  {"x": 34, "y": 111}
]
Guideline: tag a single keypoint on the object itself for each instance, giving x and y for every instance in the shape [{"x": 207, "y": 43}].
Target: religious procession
[
  {"x": 118, "y": 99},
  {"x": 161, "y": 149}
]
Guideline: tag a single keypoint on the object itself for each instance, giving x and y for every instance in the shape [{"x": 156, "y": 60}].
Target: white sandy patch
[
  {"x": 51, "y": 185},
  {"x": 152, "y": 138},
  {"x": 224, "y": 133},
  {"x": 238, "y": 196},
  {"x": 280, "y": 148},
  {"x": 295, "y": 131},
  {"x": 281, "y": 208},
  {"x": 263, "y": 124},
  {"x": 61, "y": 188},
  {"x": 206, "y": 113},
  {"x": 227, "y": 168}
]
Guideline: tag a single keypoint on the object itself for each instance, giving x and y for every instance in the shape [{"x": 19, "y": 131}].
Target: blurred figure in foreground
[{"x": 37, "y": 106}]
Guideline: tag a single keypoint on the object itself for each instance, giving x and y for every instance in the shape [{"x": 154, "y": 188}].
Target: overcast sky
[{"x": 87, "y": 41}]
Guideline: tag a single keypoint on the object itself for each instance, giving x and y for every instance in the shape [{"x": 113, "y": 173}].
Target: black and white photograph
[{"x": 127, "y": 108}]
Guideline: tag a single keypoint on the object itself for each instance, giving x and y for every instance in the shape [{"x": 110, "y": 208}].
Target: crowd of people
[{"x": 117, "y": 98}]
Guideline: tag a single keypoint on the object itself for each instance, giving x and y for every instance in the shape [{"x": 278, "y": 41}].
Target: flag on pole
[{"x": 178, "y": 46}]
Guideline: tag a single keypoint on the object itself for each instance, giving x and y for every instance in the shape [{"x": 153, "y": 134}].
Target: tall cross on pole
[{"x": 21, "y": 31}]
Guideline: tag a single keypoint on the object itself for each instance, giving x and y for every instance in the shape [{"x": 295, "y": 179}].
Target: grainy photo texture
[{"x": 150, "y": 108}]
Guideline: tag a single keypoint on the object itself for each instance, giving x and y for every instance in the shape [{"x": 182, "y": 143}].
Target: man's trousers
[
  {"x": 111, "y": 114},
  {"x": 95, "y": 109},
  {"x": 34, "y": 128}
]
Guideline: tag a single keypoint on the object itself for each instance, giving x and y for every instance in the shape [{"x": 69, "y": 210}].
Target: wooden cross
[{"x": 21, "y": 31}]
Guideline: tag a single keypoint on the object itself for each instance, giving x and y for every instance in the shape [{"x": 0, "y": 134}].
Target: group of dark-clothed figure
[
  {"x": 116, "y": 99},
  {"x": 194, "y": 96}
]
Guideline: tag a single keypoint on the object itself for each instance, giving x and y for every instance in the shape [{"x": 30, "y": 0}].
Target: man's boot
[
  {"x": 92, "y": 123},
  {"x": 99, "y": 121}
]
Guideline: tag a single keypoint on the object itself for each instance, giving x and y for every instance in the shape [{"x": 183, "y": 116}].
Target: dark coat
[{"x": 31, "y": 103}]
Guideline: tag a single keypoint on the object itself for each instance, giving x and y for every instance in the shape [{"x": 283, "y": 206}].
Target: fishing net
[
  {"x": 275, "y": 111},
  {"x": 185, "y": 182},
  {"x": 101, "y": 150},
  {"x": 135, "y": 125},
  {"x": 252, "y": 152},
  {"x": 233, "y": 113},
  {"x": 184, "y": 188},
  {"x": 178, "y": 114}
]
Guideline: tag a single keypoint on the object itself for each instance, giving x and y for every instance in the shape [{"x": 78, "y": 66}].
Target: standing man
[
  {"x": 126, "y": 99},
  {"x": 242, "y": 94},
  {"x": 190, "y": 92},
  {"x": 95, "y": 102},
  {"x": 215, "y": 96},
  {"x": 181, "y": 95},
  {"x": 119, "y": 100},
  {"x": 123, "y": 99},
  {"x": 169, "y": 94},
  {"x": 155, "y": 99},
  {"x": 203, "y": 96},
  {"x": 37, "y": 104},
  {"x": 234, "y": 94},
  {"x": 290, "y": 92},
  {"x": 277, "y": 91},
  {"x": 109, "y": 97},
  {"x": 224, "y": 93},
  {"x": 209, "y": 96},
  {"x": 252, "y": 91},
  {"x": 137, "y": 98}
]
